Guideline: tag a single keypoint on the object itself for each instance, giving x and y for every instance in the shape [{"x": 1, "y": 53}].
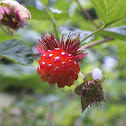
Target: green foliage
[
  {"x": 16, "y": 51},
  {"x": 115, "y": 32},
  {"x": 45, "y": 2},
  {"x": 5, "y": 36},
  {"x": 39, "y": 104},
  {"x": 37, "y": 14},
  {"x": 110, "y": 11},
  {"x": 42, "y": 15}
]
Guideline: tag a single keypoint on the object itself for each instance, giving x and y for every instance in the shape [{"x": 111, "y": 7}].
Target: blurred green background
[{"x": 26, "y": 101}]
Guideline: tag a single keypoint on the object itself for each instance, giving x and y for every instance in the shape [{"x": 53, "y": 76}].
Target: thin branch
[
  {"x": 100, "y": 29},
  {"x": 55, "y": 28},
  {"x": 1, "y": 57},
  {"x": 53, "y": 22},
  {"x": 95, "y": 43},
  {"x": 85, "y": 12}
]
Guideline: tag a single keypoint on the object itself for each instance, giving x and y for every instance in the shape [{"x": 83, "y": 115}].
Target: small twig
[
  {"x": 95, "y": 43},
  {"x": 55, "y": 28},
  {"x": 53, "y": 22},
  {"x": 81, "y": 75},
  {"x": 85, "y": 12},
  {"x": 100, "y": 29},
  {"x": 1, "y": 57}
]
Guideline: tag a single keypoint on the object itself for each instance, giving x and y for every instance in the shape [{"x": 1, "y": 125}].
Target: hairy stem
[
  {"x": 85, "y": 12},
  {"x": 95, "y": 43},
  {"x": 53, "y": 22},
  {"x": 100, "y": 29}
]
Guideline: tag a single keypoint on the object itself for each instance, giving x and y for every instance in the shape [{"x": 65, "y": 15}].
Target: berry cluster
[{"x": 57, "y": 66}]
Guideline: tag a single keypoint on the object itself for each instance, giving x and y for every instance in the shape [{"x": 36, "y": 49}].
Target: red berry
[
  {"x": 59, "y": 60},
  {"x": 57, "y": 66}
]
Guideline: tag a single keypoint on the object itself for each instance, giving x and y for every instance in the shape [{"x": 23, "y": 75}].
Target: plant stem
[
  {"x": 81, "y": 75},
  {"x": 53, "y": 22},
  {"x": 85, "y": 12},
  {"x": 100, "y": 29},
  {"x": 95, "y": 43},
  {"x": 1, "y": 57}
]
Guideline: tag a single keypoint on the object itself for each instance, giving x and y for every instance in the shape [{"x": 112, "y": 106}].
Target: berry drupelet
[{"x": 59, "y": 60}]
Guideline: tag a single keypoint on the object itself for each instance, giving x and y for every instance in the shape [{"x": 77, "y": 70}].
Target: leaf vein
[
  {"x": 105, "y": 11},
  {"x": 97, "y": 7}
]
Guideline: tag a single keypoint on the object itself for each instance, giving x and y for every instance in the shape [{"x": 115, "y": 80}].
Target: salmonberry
[{"x": 59, "y": 61}]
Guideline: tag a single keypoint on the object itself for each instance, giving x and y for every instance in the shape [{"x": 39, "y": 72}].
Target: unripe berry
[{"x": 92, "y": 92}]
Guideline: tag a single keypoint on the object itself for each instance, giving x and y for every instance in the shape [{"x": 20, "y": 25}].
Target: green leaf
[
  {"x": 42, "y": 15},
  {"x": 87, "y": 77},
  {"x": 78, "y": 88},
  {"x": 103, "y": 79},
  {"x": 16, "y": 51},
  {"x": 37, "y": 14},
  {"x": 110, "y": 11},
  {"x": 115, "y": 32},
  {"x": 61, "y": 16},
  {"x": 45, "y": 2},
  {"x": 83, "y": 104}
]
